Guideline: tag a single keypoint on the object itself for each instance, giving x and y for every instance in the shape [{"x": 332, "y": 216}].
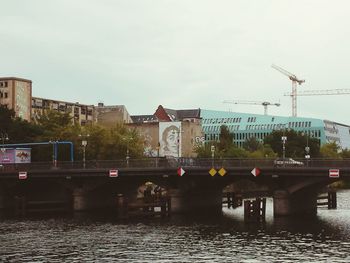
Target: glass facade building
[{"x": 246, "y": 125}]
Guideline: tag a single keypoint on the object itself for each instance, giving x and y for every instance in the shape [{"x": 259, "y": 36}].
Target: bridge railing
[{"x": 169, "y": 163}]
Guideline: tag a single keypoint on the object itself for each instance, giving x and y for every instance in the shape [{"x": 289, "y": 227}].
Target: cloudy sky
[{"x": 180, "y": 53}]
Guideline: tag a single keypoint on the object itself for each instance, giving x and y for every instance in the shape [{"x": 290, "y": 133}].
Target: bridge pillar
[
  {"x": 2, "y": 203},
  {"x": 299, "y": 203},
  {"x": 80, "y": 202},
  {"x": 196, "y": 201}
]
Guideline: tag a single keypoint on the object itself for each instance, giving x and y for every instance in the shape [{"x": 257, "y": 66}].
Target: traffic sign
[
  {"x": 113, "y": 173},
  {"x": 255, "y": 171},
  {"x": 212, "y": 172},
  {"x": 22, "y": 175},
  {"x": 222, "y": 171},
  {"x": 334, "y": 173},
  {"x": 180, "y": 171}
]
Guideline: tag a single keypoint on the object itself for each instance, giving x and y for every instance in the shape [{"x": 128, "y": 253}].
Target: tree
[
  {"x": 252, "y": 144},
  {"x": 53, "y": 123},
  {"x": 330, "y": 150},
  {"x": 263, "y": 152},
  {"x": 6, "y": 118},
  {"x": 345, "y": 153},
  {"x": 295, "y": 144},
  {"x": 226, "y": 139}
]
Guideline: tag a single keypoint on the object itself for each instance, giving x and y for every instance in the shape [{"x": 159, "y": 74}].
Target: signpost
[
  {"x": 334, "y": 173},
  {"x": 22, "y": 175},
  {"x": 113, "y": 173},
  {"x": 256, "y": 171},
  {"x": 180, "y": 171}
]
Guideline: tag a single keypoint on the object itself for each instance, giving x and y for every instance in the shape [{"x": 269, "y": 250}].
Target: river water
[{"x": 325, "y": 238}]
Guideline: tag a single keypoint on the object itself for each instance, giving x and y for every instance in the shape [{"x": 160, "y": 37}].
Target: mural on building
[
  {"x": 23, "y": 100},
  {"x": 170, "y": 139}
]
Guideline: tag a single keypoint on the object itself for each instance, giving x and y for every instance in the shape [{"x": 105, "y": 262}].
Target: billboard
[
  {"x": 22, "y": 155},
  {"x": 18, "y": 155},
  {"x": 170, "y": 139},
  {"x": 7, "y": 155}
]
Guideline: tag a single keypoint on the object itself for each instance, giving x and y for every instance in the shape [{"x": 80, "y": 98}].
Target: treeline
[
  {"x": 113, "y": 143},
  {"x": 271, "y": 146},
  {"x": 102, "y": 143}
]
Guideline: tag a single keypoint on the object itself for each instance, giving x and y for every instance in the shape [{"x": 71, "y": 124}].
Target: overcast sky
[{"x": 182, "y": 54}]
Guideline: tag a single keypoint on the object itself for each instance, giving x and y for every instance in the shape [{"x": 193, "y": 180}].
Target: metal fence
[{"x": 169, "y": 163}]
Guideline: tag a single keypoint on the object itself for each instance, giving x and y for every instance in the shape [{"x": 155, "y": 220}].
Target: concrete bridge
[{"x": 193, "y": 184}]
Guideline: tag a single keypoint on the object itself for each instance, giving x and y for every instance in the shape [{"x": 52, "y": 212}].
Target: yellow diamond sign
[
  {"x": 222, "y": 171},
  {"x": 212, "y": 172}
]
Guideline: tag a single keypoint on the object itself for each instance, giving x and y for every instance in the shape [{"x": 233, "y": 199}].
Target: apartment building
[
  {"x": 81, "y": 114},
  {"x": 16, "y": 94}
]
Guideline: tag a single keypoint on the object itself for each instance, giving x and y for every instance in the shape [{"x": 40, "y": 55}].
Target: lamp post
[
  {"x": 212, "y": 148},
  {"x": 4, "y": 137},
  {"x": 127, "y": 139},
  {"x": 178, "y": 131},
  {"x": 284, "y": 139},
  {"x": 54, "y": 152},
  {"x": 157, "y": 148},
  {"x": 84, "y": 143},
  {"x": 307, "y": 149}
]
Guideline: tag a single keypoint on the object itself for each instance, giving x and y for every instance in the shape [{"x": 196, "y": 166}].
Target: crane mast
[
  {"x": 295, "y": 81},
  {"x": 263, "y": 103}
]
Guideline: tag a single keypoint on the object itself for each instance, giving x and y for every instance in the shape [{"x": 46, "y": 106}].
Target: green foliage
[
  {"x": 252, "y": 144},
  {"x": 345, "y": 153},
  {"x": 6, "y": 118},
  {"x": 225, "y": 148},
  {"x": 295, "y": 144},
  {"x": 263, "y": 152},
  {"x": 330, "y": 150},
  {"x": 102, "y": 143},
  {"x": 226, "y": 139},
  {"x": 53, "y": 123},
  {"x": 204, "y": 150}
]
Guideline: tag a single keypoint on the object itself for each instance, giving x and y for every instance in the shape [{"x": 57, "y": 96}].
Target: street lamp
[
  {"x": 212, "y": 148},
  {"x": 307, "y": 149},
  {"x": 284, "y": 139},
  {"x": 54, "y": 152},
  {"x": 127, "y": 139},
  {"x": 158, "y": 147},
  {"x": 84, "y": 144},
  {"x": 178, "y": 140},
  {"x": 4, "y": 137}
]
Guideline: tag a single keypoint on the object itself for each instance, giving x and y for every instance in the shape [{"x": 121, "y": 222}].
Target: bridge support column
[
  {"x": 196, "y": 202},
  {"x": 300, "y": 203},
  {"x": 2, "y": 202},
  {"x": 80, "y": 202}
]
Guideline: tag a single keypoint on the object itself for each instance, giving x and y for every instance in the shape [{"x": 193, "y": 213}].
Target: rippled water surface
[{"x": 180, "y": 239}]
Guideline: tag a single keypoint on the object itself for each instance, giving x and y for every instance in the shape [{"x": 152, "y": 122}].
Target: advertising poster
[
  {"x": 170, "y": 139},
  {"x": 22, "y": 155},
  {"x": 7, "y": 155}
]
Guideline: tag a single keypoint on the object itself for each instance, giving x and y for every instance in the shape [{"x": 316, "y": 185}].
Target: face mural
[{"x": 170, "y": 143}]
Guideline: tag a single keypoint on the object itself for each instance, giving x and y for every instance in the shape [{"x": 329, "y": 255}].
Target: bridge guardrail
[{"x": 169, "y": 163}]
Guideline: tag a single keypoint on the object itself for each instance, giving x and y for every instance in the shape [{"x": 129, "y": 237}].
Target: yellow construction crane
[
  {"x": 295, "y": 81},
  {"x": 263, "y": 103}
]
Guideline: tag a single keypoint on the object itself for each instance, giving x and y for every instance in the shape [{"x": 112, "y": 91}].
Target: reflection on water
[{"x": 180, "y": 239}]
